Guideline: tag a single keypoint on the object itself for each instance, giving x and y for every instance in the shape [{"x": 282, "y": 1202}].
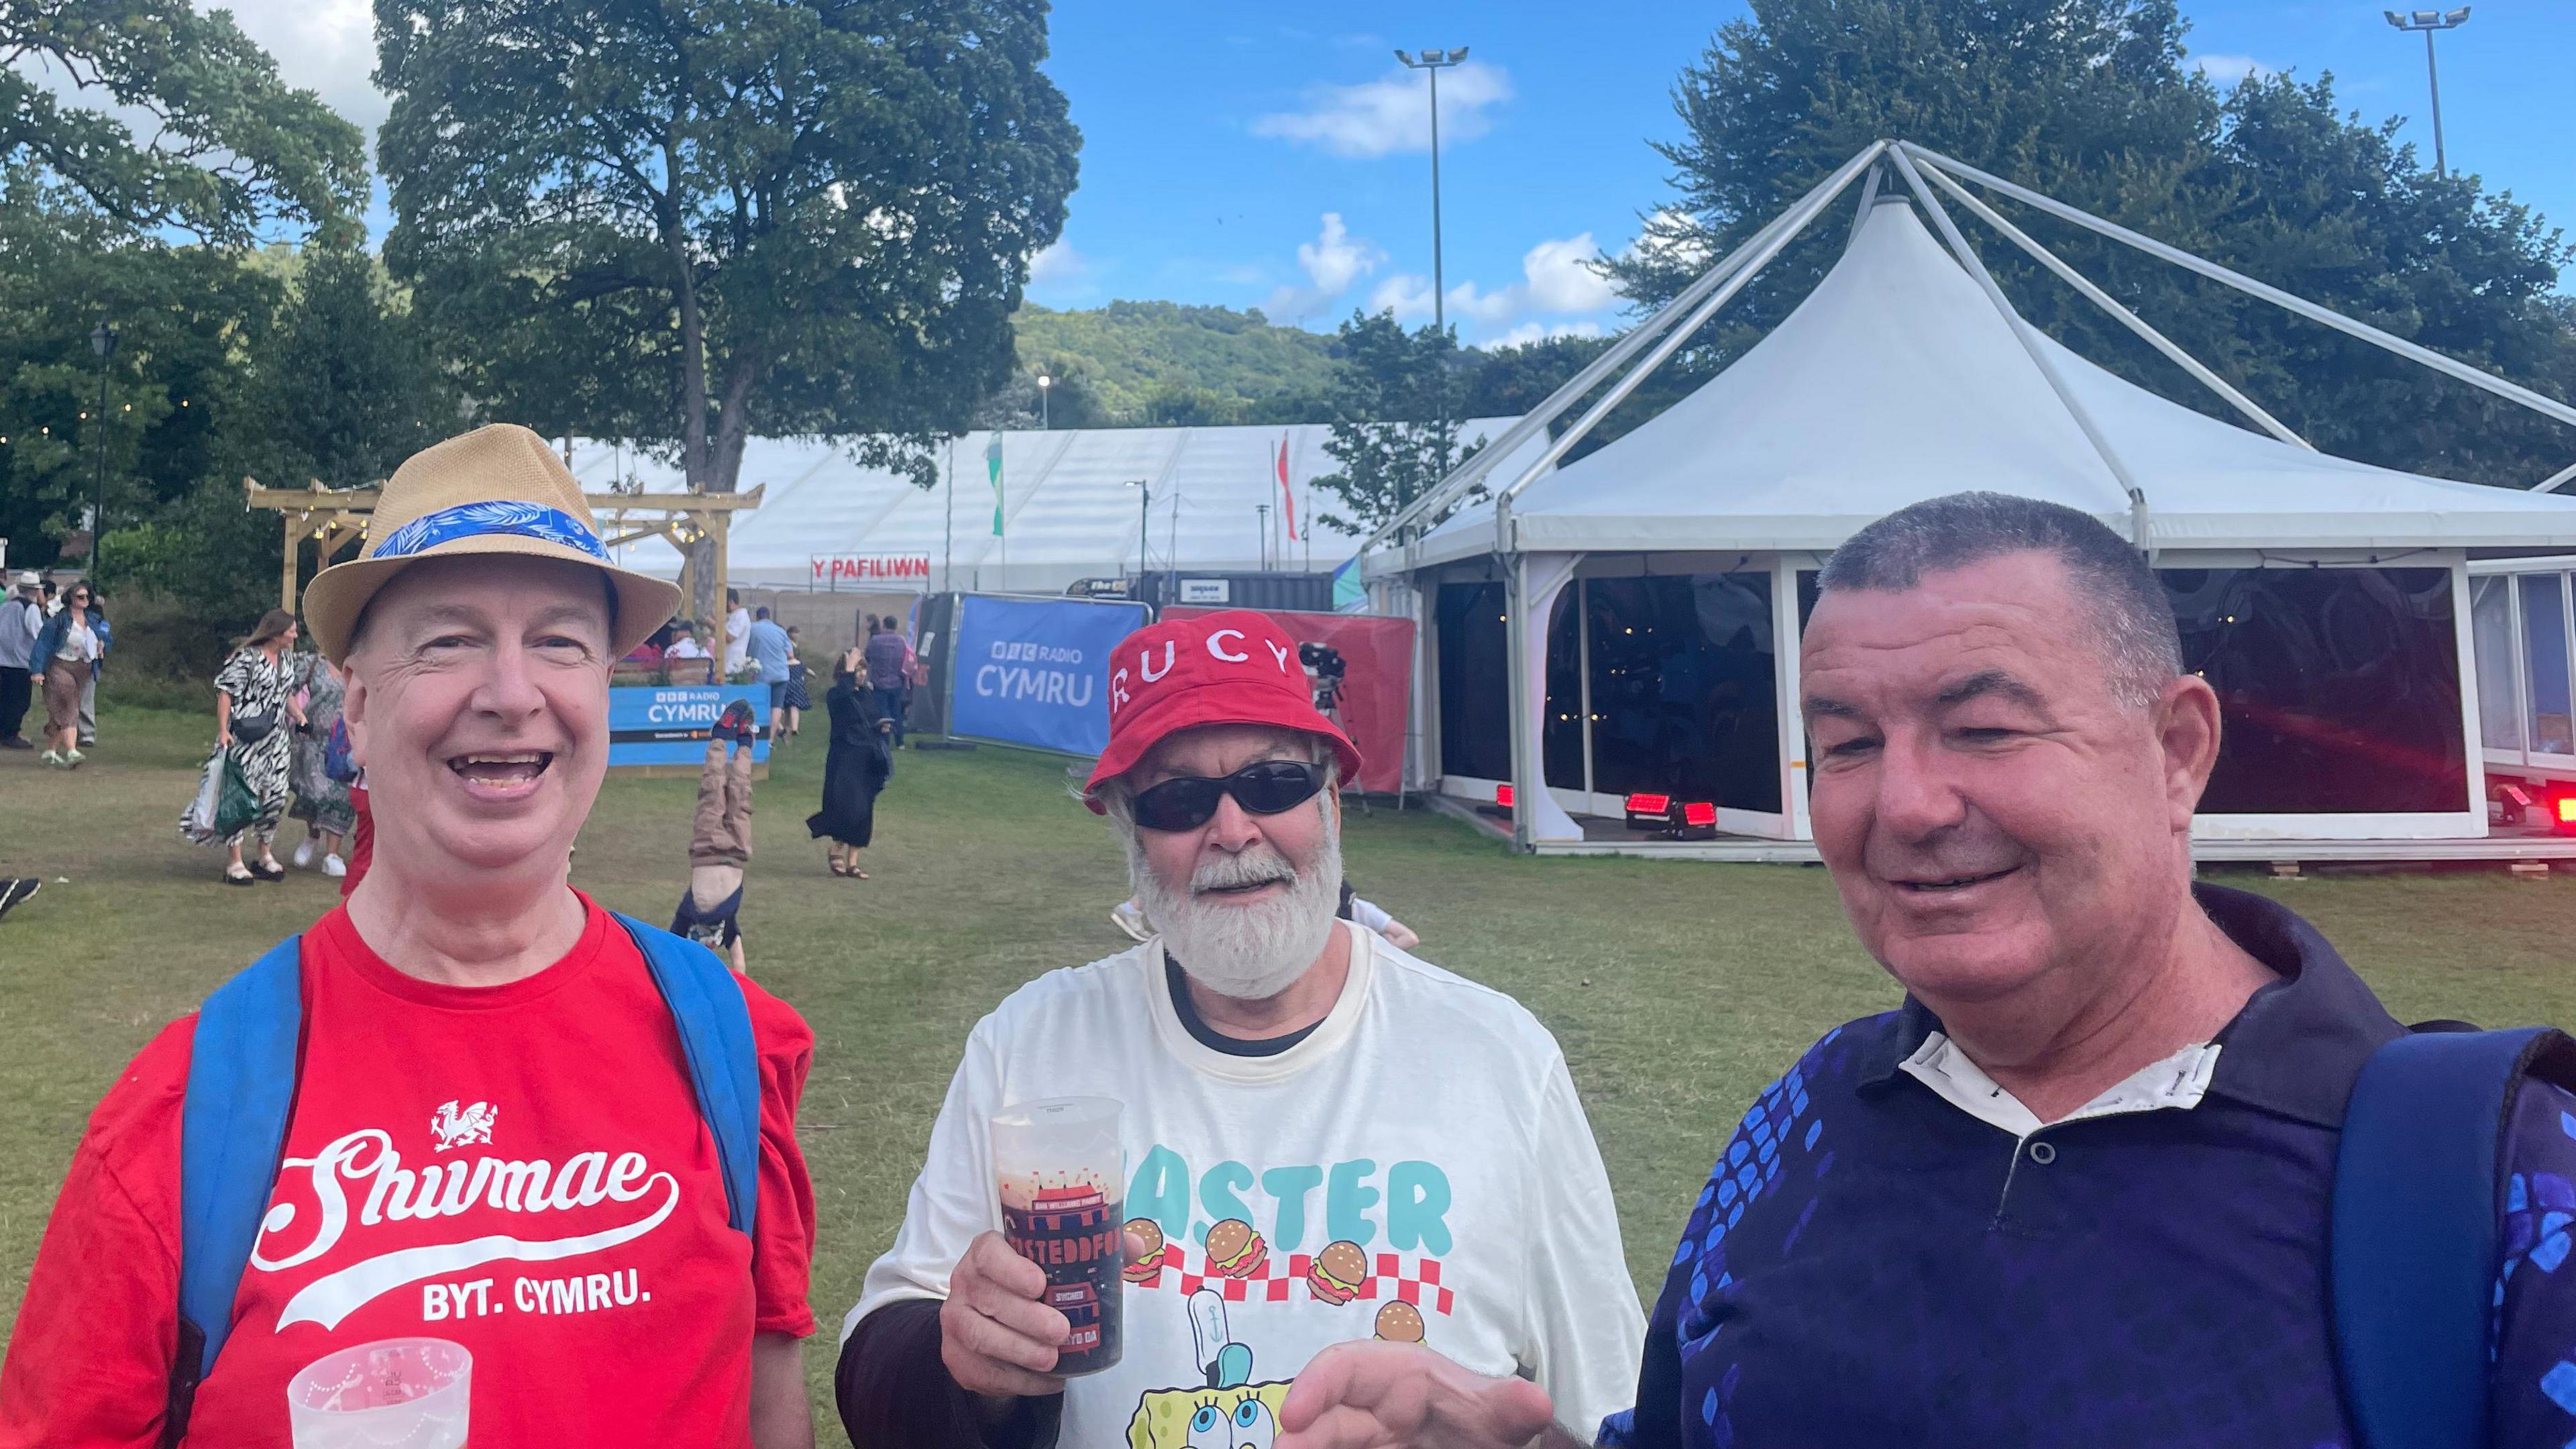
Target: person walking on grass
[
  {"x": 886, "y": 652},
  {"x": 254, "y": 708},
  {"x": 321, "y": 802},
  {"x": 68, "y": 650},
  {"x": 623, "y": 1237},
  {"x": 97, "y": 669},
  {"x": 854, "y": 771},
  {"x": 770, "y": 651},
  {"x": 798, "y": 699},
  {"x": 22, "y": 618}
]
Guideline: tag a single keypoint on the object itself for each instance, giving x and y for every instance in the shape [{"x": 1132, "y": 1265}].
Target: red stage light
[
  {"x": 2567, "y": 809},
  {"x": 1649, "y": 804},
  {"x": 1503, "y": 796},
  {"x": 1699, "y": 812}
]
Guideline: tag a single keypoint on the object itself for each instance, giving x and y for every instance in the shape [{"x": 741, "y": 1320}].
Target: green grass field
[{"x": 1677, "y": 989}]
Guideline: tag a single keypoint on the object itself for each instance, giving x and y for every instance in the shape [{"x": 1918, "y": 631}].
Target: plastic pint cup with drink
[
  {"x": 396, "y": 1393},
  {"x": 1061, "y": 1171}
]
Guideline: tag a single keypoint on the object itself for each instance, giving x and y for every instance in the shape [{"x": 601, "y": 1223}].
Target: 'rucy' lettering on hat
[{"x": 497, "y": 516}]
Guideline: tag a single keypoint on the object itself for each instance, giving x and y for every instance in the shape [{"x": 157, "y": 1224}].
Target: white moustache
[{"x": 1238, "y": 872}]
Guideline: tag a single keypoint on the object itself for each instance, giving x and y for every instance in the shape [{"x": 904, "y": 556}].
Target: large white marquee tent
[
  {"x": 1071, "y": 501},
  {"x": 2302, "y": 579}
]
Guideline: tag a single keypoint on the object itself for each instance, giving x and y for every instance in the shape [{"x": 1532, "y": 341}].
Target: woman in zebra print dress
[{"x": 252, "y": 695}]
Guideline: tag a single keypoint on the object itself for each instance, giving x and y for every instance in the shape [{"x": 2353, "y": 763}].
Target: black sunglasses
[{"x": 1265, "y": 788}]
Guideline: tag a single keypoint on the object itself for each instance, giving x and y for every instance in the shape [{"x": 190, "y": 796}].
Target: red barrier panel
[{"x": 1377, "y": 683}]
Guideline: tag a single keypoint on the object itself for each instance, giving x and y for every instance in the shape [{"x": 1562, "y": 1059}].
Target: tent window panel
[
  {"x": 1475, "y": 683},
  {"x": 2544, "y": 637},
  {"x": 1684, "y": 683},
  {"x": 2491, "y": 627},
  {"x": 1561, "y": 732},
  {"x": 2339, "y": 688}
]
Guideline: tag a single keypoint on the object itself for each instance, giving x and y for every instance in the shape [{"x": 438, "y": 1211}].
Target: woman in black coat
[{"x": 854, "y": 771}]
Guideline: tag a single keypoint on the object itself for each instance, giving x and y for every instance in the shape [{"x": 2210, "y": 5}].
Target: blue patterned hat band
[{"x": 472, "y": 520}]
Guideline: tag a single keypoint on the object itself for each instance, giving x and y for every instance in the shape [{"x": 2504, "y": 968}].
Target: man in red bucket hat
[{"x": 1325, "y": 1138}]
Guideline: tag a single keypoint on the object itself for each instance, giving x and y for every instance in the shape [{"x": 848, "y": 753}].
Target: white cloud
[
  {"x": 326, "y": 46},
  {"x": 1332, "y": 262},
  {"x": 1562, "y": 277},
  {"x": 2231, "y": 70},
  {"x": 1404, "y": 294},
  {"x": 1393, "y": 113},
  {"x": 1554, "y": 280},
  {"x": 1057, "y": 265},
  {"x": 1529, "y": 332}
]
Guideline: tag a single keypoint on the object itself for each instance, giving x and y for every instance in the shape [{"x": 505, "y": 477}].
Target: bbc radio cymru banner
[
  {"x": 670, "y": 724},
  {"x": 1035, "y": 671}
]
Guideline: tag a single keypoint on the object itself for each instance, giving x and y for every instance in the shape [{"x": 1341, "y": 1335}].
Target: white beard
[{"x": 1249, "y": 952}]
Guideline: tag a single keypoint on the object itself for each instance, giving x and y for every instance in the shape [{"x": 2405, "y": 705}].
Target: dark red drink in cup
[{"x": 1059, "y": 1168}]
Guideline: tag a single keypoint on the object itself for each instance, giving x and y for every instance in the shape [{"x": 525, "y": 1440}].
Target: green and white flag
[{"x": 993, "y": 466}]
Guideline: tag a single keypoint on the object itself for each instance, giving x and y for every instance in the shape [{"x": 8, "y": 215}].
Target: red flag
[{"x": 1287, "y": 499}]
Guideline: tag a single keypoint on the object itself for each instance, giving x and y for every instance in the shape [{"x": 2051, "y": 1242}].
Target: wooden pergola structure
[{"x": 331, "y": 518}]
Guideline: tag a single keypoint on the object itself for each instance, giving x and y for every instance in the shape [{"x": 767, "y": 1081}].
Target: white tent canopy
[
  {"x": 1072, "y": 511},
  {"x": 1897, "y": 380}
]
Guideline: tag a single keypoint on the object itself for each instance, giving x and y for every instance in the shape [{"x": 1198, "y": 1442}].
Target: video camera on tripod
[{"x": 1325, "y": 669}]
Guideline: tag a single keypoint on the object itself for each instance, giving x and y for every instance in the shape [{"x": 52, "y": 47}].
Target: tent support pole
[
  {"x": 2550, "y": 483},
  {"x": 1516, "y": 675},
  {"x": 1466, "y": 475},
  {"x": 1868, "y": 199},
  {"x": 2022, "y": 332},
  {"x": 2119, "y": 314},
  {"x": 1791, "y": 223},
  {"x": 2475, "y": 377}
]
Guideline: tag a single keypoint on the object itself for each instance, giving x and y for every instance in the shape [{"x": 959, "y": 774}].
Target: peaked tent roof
[
  {"x": 1071, "y": 513},
  {"x": 1896, "y": 380}
]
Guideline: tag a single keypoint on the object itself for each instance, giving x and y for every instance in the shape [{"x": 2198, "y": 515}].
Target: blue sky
[
  {"x": 1272, "y": 156},
  {"x": 1251, "y": 156}
]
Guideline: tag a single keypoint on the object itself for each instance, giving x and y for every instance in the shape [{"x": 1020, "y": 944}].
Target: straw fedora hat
[{"x": 495, "y": 490}]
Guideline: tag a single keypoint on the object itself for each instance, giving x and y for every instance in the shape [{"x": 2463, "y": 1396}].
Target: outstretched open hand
[{"x": 1405, "y": 1396}]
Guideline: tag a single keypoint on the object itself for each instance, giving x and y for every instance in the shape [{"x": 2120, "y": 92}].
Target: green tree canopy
[
  {"x": 2091, "y": 101},
  {"x": 1395, "y": 429},
  {"x": 693, "y": 221},
  {"x": 232, "y": 148}
]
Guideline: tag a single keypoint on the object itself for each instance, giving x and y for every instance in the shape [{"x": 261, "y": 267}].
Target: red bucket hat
[{"x": 1234, "y": 667}]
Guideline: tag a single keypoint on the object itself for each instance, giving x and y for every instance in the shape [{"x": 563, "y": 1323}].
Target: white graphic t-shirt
[{"x": 1417, "y": 1168}]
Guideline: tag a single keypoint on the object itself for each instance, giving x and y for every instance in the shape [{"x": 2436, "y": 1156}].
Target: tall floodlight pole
[
  {"x": 102, "y": 340},
  {"x": 1431, "y": 63},
  {"x": 2429, "y": 21}
]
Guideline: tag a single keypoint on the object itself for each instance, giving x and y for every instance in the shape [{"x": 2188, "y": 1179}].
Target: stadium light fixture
[{"x": 2430, "y": 21}]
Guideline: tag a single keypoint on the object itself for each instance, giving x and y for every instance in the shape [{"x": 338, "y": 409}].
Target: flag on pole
[
  {"x": 1287, "y": 499},
  {"x": 993, "y": 466}
]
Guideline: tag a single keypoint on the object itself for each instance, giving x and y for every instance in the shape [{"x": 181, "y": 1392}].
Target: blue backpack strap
[
  {"x": 232, "y": 1130},
  {"x": 723, "y": 1058},
  {"x": 2414, "y": 1251}
]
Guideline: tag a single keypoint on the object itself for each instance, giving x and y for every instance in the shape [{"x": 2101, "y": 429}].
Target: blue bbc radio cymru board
[
  {"x": 671, "y": 724},
  {"x": 1036, "y": 671}
]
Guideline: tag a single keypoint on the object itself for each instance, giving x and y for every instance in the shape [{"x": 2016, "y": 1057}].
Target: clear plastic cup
[
  {"x": 395, "y": 1393},
  {"x": 1062, "y": 1173}
]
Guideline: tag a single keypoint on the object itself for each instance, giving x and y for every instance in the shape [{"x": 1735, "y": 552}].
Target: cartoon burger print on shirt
[{"x": 1335, "y": 1278}]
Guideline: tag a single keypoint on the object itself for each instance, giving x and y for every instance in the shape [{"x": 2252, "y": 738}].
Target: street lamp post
[
  {"x": 1046, "y": 423},
  {"x": 2429, "y": 21},
  {"x": 1431, "y": 63},
  {"x": 1263, "y": 511},
  {"x": 102, "y": 340},
  {"x": 1144, "y": 504}
]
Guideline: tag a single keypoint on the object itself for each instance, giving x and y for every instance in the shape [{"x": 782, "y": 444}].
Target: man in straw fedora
[{"x": 471, "y": 1147}]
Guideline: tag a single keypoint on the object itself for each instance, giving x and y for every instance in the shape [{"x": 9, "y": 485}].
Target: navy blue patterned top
[{"x": 1870, "y": 1265}]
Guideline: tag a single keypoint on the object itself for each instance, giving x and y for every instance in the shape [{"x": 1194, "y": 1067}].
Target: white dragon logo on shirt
[{"x": 463, "y": 1129}]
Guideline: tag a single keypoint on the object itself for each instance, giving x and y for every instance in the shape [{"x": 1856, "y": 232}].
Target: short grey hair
[{"x": 2133, "y": 620}]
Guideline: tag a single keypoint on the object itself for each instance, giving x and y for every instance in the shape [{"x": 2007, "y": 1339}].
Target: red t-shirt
[{"x": 521, "y": 1169}]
